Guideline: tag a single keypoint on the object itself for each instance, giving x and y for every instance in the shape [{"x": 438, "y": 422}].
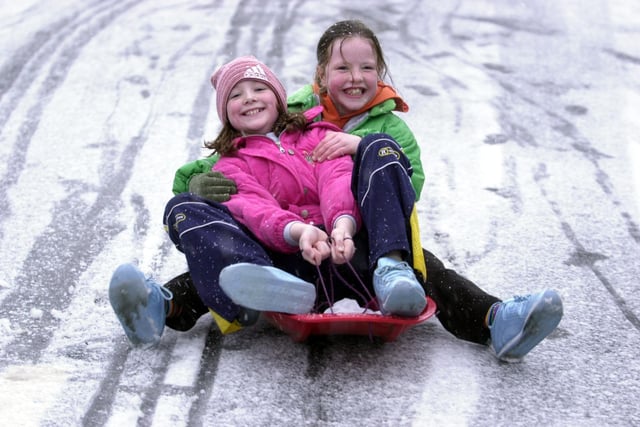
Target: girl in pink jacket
[
  {"x": 278, "y": 184},
  {"x": 265, "y": 249}
]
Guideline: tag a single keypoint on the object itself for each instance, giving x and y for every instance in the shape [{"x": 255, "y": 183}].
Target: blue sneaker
[
  {"x": 522, "y": 322},
  {"x": 266, "y": 288},
  {"x": 140, "y": 305},
  {"x": 397, "y": 289}
]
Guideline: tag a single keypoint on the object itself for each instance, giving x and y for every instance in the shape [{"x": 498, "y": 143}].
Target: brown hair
[
  {"x": 340, "y": 31},
  {"x": 223, "y": 144}
]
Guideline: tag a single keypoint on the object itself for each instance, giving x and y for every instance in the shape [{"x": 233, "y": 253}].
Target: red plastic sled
[{"x": 301, "y": 326}]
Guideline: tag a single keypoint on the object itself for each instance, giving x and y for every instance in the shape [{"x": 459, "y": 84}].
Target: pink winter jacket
[{"x": 279, "y": 184}]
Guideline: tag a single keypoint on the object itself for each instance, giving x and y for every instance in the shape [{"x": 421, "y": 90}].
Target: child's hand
[
  {"x": 342, "y": 248},
  {"x": 314, "y": 244},
  {"x": 335, "y": 144},
  {"x": 213, "y": 186}
]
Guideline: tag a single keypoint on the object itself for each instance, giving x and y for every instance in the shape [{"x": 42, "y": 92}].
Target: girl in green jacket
[{"x": 349, "y": 84}]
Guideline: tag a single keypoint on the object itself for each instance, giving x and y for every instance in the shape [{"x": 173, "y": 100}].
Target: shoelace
[
  {"x": 164, "y": 292},
  {"x": 516, "y": 306}
]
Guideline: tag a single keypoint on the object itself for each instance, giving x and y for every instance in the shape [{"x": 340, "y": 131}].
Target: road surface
[{"x": 526, "y": 113}]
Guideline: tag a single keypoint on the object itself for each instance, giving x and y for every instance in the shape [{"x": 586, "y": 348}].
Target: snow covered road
[{"x": 527, "y": 115}]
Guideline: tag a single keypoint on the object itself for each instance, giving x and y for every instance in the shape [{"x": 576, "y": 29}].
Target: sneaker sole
[
  {"x": 266, "y": 288},
  {"x": 128, "y": 295},
  {"x": 543, "y": 319}
]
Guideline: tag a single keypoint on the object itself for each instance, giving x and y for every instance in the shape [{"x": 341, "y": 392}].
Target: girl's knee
[
  {"x": 380, "y": 145},
  {"x": 377, "y": 139}
]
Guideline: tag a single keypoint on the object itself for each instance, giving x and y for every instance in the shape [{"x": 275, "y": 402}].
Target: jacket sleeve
[
  {"x": 334, "y": 185},
  {"x": 187, "y": 171},
  {"x": 398, "y": 129},
  {"x": 255, "y": 207}
]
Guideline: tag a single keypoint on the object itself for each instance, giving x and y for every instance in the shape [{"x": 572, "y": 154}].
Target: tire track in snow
[
  {"x": 59, "y": 255},
  {"x": 582, "y": 256},
  {"x": 18, "y": 76},
  {"x": 584, "y": 148},
  {"x": 98, "y": 412}
]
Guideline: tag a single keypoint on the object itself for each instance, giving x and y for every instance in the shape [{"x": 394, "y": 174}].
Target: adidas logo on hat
[{"x": 255, "y": 72}]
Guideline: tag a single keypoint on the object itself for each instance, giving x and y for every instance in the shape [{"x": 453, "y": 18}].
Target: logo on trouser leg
[
  {"x": 388, "y": 151},
  {"x": 179, "y": 218}
]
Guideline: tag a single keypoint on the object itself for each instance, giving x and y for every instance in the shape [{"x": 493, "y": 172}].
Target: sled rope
[
  {"x": 365, "y": 296},
  {"x": 330, "y": 300}
]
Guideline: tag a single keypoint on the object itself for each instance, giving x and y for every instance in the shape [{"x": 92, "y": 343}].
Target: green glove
[{"x": 213, "y": 186}]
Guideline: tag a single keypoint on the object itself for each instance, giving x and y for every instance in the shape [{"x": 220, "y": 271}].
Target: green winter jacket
[{"x": 380, "y": 119}]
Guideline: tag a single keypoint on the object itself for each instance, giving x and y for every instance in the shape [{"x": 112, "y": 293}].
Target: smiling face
[
  {"x": 252, "y": 107},
  {"x": 351, "y": 74}
]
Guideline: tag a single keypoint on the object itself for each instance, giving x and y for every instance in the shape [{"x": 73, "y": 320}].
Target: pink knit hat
[{"x": 243, "y": 68}]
